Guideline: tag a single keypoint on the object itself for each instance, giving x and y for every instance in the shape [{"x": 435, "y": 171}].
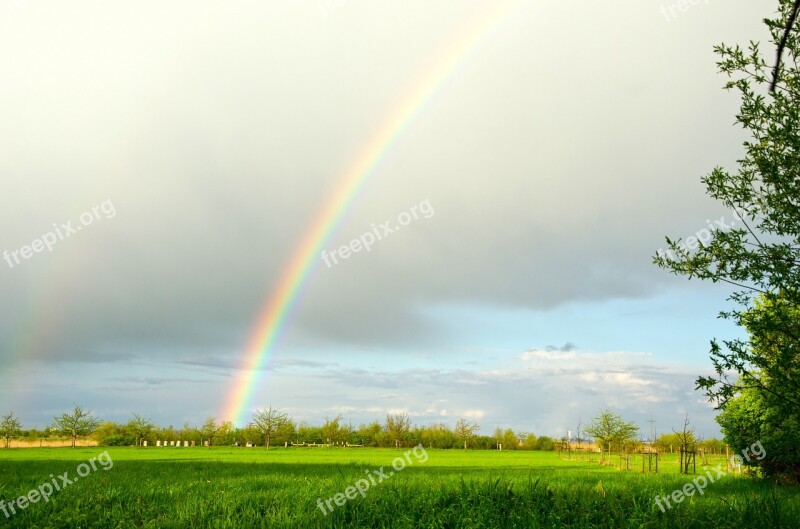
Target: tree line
[{"x": 270, "y": 427}]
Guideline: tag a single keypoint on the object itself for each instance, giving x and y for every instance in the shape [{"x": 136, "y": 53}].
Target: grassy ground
[{"x": 233, "y": 488}]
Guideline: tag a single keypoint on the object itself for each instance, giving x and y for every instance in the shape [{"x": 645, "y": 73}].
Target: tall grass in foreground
[{"x": 226, "y": 488}]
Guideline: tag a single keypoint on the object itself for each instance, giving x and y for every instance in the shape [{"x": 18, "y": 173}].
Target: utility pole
[{"x": 652, "y": 430}]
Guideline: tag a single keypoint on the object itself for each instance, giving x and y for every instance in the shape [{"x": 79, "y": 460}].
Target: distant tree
[
  {"x": 608, "y": 428},
  {"x": 506, "y": 439},
  {"x": 109, "y": 433},
  {"x": 466, "y": 430},
  {"x": 686, "y": 436},
  {"x": 50, "y": 432},
  {"x": 714, "y": 446},
  {"x": 286, "y": 433},
  {"x": 346, "y": 431},
  {"x": 369, "y": 434},
  {"x": 483, "y": 442},
  {"x": 579, "y": 434},
  {"x": 225, "y": 433},
  {"x": 209, "y": 430},
  {"x": 545, "y": 443},
  {"x": 186, "y": 433},
  {"x": 688, "y": 441},
  {"x": 140, "y": 428},
  {"x": 438, "y": 435},
  {"x": 498, "y": 437},
  {"x": 269, "y": 422},
  {"x": 310, "y": 434},
  {"x": 528, "y": 441},
  {"x": 667, "y": 442},
  {"x": 330, "y": 430},
  {"x": 510, "y": 440},
  {"x": 397, "y": 427},
  {"x": 79, "y": 423},
  {"x": 248, "y": 434},
  {"x": 170, "y": 434},
  {"x": 10, "y": 426}
]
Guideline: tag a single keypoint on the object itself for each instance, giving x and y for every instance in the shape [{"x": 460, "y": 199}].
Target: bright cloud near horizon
[{"x": 565, "y": 143}]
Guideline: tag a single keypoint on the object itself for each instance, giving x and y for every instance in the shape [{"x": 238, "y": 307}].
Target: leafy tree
[
  {"x": 269, "y": 423},
  {"x": 248, "y": 434},
  {"x": 609, "y": 428},
  {"x": 10, "y": 426},
  {"x": 369, "y": 434},
  {"x": 545, "y": 443},
  {"x": 484, "y": 442},
  {"x": 397, "y": 427},
  {"x": 668, "y": 442},
  {"x": 226, "y": 432},
  {"x": 103, "y": 432},
  {"x": 78, "y": 424},
  {"x": 330, "y": 430},
  {"x": 713, "y": 445},
  {"x": 346, "y": 431},
  {"x": 507, "y": 439},
  {"x": 750, "y": 418},
  {"x": 209, "y": 430},
  {"x": 311, "y": 434},
  {"x": 498, "y": 436},
  {"x": 438, "y": 435},
  {"x": 109, "y": 433},
  {"x": 759, "y": 253},
  {"x": 287, "y": 432},
  {"x": 140, "y": 428},
  {"x": 169, "y": 433},
  {"x": 466, "y": 430},
  {"x": 528, "y": 441},
  {"x": 186, "y": 433}
]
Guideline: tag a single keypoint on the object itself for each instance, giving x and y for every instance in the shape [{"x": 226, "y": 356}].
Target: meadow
[{"x": 252, "y": 487}]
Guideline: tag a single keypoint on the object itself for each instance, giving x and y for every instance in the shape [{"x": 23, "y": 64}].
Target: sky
[{"x": 170, "y": 158}]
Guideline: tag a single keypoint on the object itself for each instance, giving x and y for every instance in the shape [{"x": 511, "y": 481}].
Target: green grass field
[{"x": 240, "y": 487}]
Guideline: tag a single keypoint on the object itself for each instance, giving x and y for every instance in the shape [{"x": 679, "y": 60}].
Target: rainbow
[{"x": 279, "y": 304}]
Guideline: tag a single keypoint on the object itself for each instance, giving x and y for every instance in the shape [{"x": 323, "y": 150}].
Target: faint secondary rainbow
[{"x": 281, "y": 301}]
